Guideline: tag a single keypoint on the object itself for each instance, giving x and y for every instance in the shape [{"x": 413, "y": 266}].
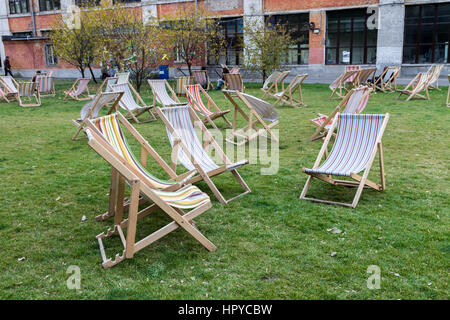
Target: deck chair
[
  {"x": 339, "y": 86},
  {"x": 187, "y": 148},
  {"x": 29, "y": 91},
  {"x": 106, "y": 84},
  {"x": 92, "y": 108},
  {"x": 10, "y": 87},
  {"x": 46, "y": 86},
  {"x": 201, "y": 78},
  {"x": 233, "y": 81},
  {"x": 79, "y": 90},
  {"x": 389, "y": 85},
  {"x": 160, "y": 94},
  {"x": 287, "y": 95},
  {"x": 433, "y": 73},
  {"x": 448, "y": 93},
  {"x": 128, "y": 102},
  {"x": 365, "y": 77},
  {"x": 354, "y": 102},
  {"x": 3, "y": 95},
  {"x": 122, "y": 77},
  {"x": 233, "y": 70},
  {"x": 358, "y": 139},
  {"x": 107, "y": 139},
  {"x": 352, "y": 68},
  {"x": 274, "y": 83},
  {"x": 417, "y": 85},
  {"x": 260, "y": 113},
  {"x": 182, "y": 82},
  {"x": 194, "y": 95}
]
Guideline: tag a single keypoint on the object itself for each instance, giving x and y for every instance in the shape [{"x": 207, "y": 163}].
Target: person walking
[{"x": 7, "y": 65}]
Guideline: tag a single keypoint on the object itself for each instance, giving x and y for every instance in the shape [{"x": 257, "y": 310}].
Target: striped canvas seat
[
  {"x": 122, "y": 77},
  {"x": 271, "y": 79},
  {"x": 109, "y": 82},
  {"x": 234, "y": 82},
  {"x": 161, "y": 95},
  {"x": 352, "y": 68},
  {"x": 355, "y": 141},
  {"x": 433, "y": 74},
  {"x": 201, "y": 78},
  {"x": 46, "y": 86},
  {"x": 189, "y": 150},
  {"x": 29, "y": 91},
  {"x": 339, "y": 86},
  {"x": 182, "y": 82},
  {"x": 107, "y": 139},
  {"x": 366, "y": 76},
  {"x": 355, "y": 102},
  {"x": 194, "y": 95},
  {"x": 79, "y": 90},
  {"x": 288, "y": 95},
  {"x": 10, "y": 84},
  {"x": 264, "y": 109},
  {"x": 234, "y": 70},
  {"x": 418, "y": 84}
]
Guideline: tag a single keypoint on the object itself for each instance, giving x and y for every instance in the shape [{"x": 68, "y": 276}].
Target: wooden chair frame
[
  {"x": 180, "y": 90},
  {"x": 122, "y": 77},
  {"x": 209, "y": 141},
  {"x": 391, "y": 84},
  {"x": 52, "y": 91},
  {"x": 434, "y": 72},
  {"x": 172, "y": 94},
  {"x": 227, "y": 75},
  {"x": 365, "y": 77},
  {"x": 80, "y": 97},
  {"x": 35, "y": 95},
  {"x": 253, "y": 119},
  {"x": 81, "y": 123},
  {"x": 341, "y": 89},
  {"x": 411, "y": 89},
  {"x": 8, "y": 91},
  {"x": 209, "y": 85},
  {"x": 104, "y": 85},
  {"x": 360, "y": 182},
  {"x": 215, "y": 115},
  {"x": 322, "y": 128},
  {"x": 3, "y": 95},
  {"x": 287, "y": 96},
  {"x": 122, "y": 172},
  {"x": 134, "y": 114},
  {"x": 274, "y": 86}
]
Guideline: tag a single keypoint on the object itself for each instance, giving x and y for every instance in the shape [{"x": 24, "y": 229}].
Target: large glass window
[
  {"x": 18, "y": 6},
  {"x": 348, "y": 40},
  {"x": 427, "y": 34},
  {"x": 49, "y": 5},
  {"x": 232, "y": 31},
  {"x": 50, "y": 57},
  {"x": 298, "y": 27}
]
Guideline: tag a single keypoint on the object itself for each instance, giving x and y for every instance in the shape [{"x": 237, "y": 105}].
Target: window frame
[
  {"x": 238, "y": 36},
  {"x": 351, "y": 45},
  {"x": 54, "y": 56},
  {"x": 418, "y": 44},
  {"x": 12, "y": 5},
  {"x": 51, "y": 4}
]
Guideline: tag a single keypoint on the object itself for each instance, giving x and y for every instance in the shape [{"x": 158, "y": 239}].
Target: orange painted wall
[{"x": 286, "y": 5}]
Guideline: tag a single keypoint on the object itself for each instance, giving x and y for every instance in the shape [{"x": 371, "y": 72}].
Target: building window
[
  {"x": 232, "y": 31},
  {"x": 427, "y": 34},
  {"x": 49, "y": 5},
  {"x": 18, "y": 6},
  {"x": 50, "y": 57},
  {"x": 348, "y": 40},
  {"x": 298, "y": 27}
]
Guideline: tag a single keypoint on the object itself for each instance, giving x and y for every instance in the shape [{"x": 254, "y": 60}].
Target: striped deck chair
[
  {"x": 201, "y": 78},
  {"x": 107, "y": 139},
  {"x": 448, "y": 93},
  {"x": 354, "y": 102},
  {"x": 287, "y": 95},
  {"x": 3, "y": 95},
  {"x": 260, "y": 113},
  {"x": 160, "y": 94},
  {"x": 122, "y": 77},
  {"x": 433, "y": 73},
  {"x": 274, "y": 83},
  {"x": 10, "y": 87},
  {"x": 234, "y": 70},
  {"x": 79, "y": 90},
  {"x": 92, "y": 108},
  {"x": 29, "y": 91},
  {"x": 365, "y": 77},
  {"x": 182, "y": 82},
  {"x": 128, "y": 103},
  {"x": 187, "y": 148},
  {"x": 417, "y": 85},
  {"x": 233, "y": 81},
  {"x": 339, "y": 86},
  {"x": 352, "y": 68},
  {"x": 389, "y": 84},
  {"x": 358, "y": 139},
  {"x": 194, "y": 95},
  {"x": 106, "y": 84},
  {"x": 46, "y": 86}
]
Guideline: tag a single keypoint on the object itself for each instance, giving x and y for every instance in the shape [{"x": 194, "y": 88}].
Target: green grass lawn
[{"x": 271, "y": 245}]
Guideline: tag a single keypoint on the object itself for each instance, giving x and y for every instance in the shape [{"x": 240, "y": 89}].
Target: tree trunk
[
  {"x": 92, "y": 73},
  {"x": 264, "y": 75},
  {"x": 81, "y": 71},
  {"x": 189, "y": 64}
]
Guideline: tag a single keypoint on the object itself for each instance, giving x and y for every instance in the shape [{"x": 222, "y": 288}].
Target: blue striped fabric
[{"x": 356, "y": 138}]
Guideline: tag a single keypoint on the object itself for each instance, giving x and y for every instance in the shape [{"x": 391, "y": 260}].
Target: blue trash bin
[{"x": 164, "y": 72}]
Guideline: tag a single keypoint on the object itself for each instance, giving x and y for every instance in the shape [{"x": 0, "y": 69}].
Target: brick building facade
[{"x": 329, "y": 33}]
